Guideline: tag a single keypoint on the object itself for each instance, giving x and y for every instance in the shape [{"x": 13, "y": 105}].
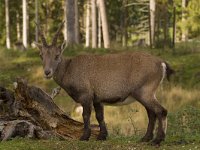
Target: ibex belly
[{"x": 119, "y": 101}]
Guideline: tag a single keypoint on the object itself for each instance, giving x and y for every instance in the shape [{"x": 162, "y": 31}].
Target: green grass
[
  {"x": 118, "y": 143},
  {"x": 183, "y": 121}
]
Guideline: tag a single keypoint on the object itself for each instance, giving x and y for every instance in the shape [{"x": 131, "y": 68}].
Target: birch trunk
[
  {"x": 174, "y": 27},
  {"x": 18, "y": 28},
  {"x": 37, "y": 21},
  {"x": 7, "y": 24},
  {"x": 106, "y": 37},
  {"x": 124, "y": 24},
  {"x": 152, "y": 21},
  {"x": 99, "y": 29},
  {"x": 94, "y": 24},
  {"x": 65, "y": 18},
  {"x": 184, "y": 31},
  {"x": 24, "y": 9},
  {"x": 87, "y": 30},
  {"x": 77, "y": 34}
]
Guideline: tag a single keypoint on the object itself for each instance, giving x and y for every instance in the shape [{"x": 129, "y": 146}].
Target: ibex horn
[
  {"x": 54, "y": 41},
  {"x": 44, "y": 42}
]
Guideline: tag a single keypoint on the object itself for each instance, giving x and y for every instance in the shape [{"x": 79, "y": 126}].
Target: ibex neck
[{"x": 61, "y": 70}]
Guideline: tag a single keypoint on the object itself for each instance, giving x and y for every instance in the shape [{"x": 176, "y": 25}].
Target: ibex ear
[
  {"x": 63, "y": 46},
  {"x": 38, "y": 45}
]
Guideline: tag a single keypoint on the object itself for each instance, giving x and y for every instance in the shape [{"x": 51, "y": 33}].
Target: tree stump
[{"x": 31, "y": 112}]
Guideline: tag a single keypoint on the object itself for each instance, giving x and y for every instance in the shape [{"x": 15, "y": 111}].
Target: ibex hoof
[
  {"x": 146, "y": 138},
  {"x": 86, "y": 135},
  {"x": 101, "y": 137},
  {"x": 156, "y": 142},
  {"x": 83, "y": 138}
]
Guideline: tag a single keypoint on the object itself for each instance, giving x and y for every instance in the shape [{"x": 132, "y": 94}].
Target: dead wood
[{"x": 32, "y": 113}]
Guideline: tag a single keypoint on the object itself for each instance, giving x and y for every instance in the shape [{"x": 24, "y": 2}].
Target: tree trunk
[
  {"x": 47, "y": 16},
  {"x": 174, "y": 27},
  {"x": 37, "y": 22},
  {"x": 124, "y": 23},
  {"x": 99, "y": 29},
  {"x": 106, "y": 38},
  {"x": 87, "y": 30},
  {"x": 77, "y": 33},
  {"x": 157, "y": 25},
  {"x": 33, "y": 111},
  {"x": 24, "y": 9},
  {"x": 72, "y": 22},
  {"x": 65, "y": 18},
  {"x": 165, "y": 26},
  {"x": 7, "y": 24},
  {"x": 94, "y": 24},
  {"x": 184, "y": 31},
  {"x": 152, "y": 5},
  {"x": 18, "y": 27}
]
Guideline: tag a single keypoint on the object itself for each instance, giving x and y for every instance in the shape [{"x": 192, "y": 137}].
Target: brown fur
[{"x": 95, "y": 80}]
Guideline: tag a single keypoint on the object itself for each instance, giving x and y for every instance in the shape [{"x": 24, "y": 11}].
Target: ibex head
[{"x": 50, "y": 54}]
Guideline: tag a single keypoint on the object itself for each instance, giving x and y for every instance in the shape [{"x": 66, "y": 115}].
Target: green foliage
[{"x": 194, "y": 16}]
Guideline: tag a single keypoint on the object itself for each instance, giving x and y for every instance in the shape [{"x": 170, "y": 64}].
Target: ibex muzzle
[{"x": 109, "y": 79}]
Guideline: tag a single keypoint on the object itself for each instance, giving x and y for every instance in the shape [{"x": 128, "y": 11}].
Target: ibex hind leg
[
  {"x": 154, "y": 109},
  {"x": 151, "y": 125},
  {"x": 161, "y": 114}
]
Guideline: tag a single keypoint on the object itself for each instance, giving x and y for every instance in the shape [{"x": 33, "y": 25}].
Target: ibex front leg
[
  {"x": 87, "y": 107},
  {"x": 100, "y": 118}
]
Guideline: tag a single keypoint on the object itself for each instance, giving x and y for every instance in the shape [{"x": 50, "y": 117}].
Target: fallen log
[{"x": 32, "y": 113}]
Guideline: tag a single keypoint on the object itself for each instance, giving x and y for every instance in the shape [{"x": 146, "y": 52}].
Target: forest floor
[
  {"x": 180, "y": 97},
  {"x": 110, "y": 144}
]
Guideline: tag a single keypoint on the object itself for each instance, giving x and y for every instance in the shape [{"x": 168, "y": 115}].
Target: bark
[
  {"x": 106, "y": 38},
  {"x": 65, "y": 18},
  {"x": 157, "y": 24},
  {"x": 37, "y": 21},
  {"x": 94, "y": 24},
  {"x": 33, "y": 111},
  {"x": 99, "y": 29},
  {"x": 72, "y": 22},
  {"x": 184, "y": 31},
  {"x": 18, "y": 28},
  {"x": 152, "y": 22},
  {"x": 87, "y": 32},
  {"x": 165, "y": 26},
  {"x": 77, "y": 33},
  {"x": 124, "y": 24},
  {"x": 25, "y": 35},
  {"x": 47, "y": 16},
  {"x": 174, "y": 27},
  {"x": 7, "y": 24}
]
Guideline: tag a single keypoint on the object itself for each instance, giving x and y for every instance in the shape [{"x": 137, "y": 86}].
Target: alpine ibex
[{"x": 108, "y": 79}]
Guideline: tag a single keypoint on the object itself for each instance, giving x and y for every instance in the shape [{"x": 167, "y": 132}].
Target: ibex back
[{"x": 108, "y": 79}]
